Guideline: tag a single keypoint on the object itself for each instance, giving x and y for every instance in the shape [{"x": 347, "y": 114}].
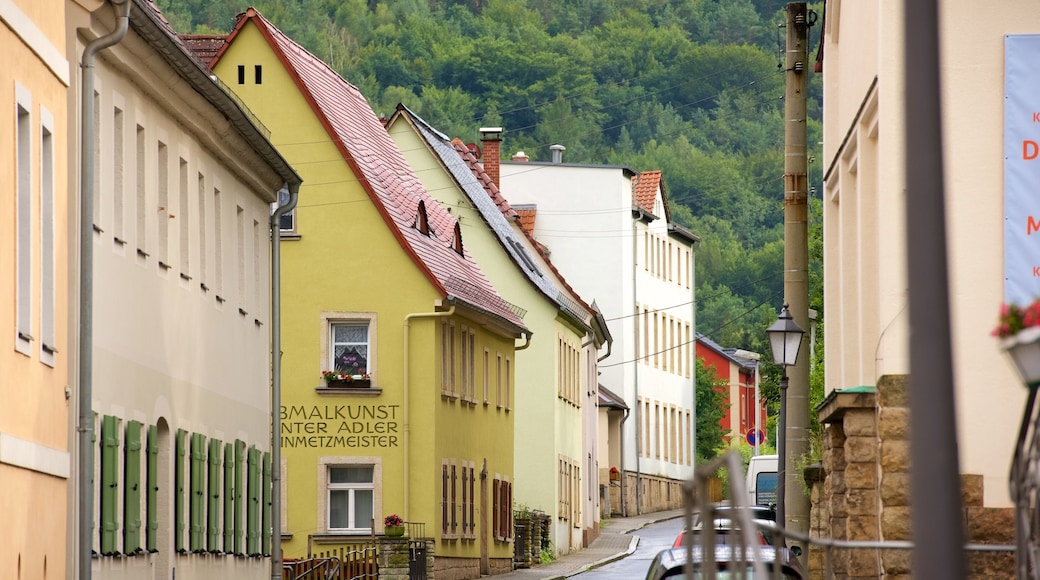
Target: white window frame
[
  {"x": 324, "y": 488},
  {"x": 283, "y": 199},
  {"x": 48, "y": 248},
  {"x": 23, "y": 220},
  {"x": 331, "y": 318}
]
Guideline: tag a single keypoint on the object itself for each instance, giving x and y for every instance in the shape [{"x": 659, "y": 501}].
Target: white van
[{"x": 761, "y": 479}]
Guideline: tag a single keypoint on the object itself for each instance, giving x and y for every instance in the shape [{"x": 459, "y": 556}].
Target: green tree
[{"x": 711, "y": 408}]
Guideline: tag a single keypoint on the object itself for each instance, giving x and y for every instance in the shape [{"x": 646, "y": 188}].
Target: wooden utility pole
[{"x": 796, "y": 259}]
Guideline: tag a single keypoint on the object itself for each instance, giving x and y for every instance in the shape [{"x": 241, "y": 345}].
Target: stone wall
[
  {"x": 862, "y": 491},
  {"x": 395, "y": 559},
  {"x": 656, "y": 493}
]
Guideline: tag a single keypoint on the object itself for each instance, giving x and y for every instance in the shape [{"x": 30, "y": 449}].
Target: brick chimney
[
  {"x": 521, "y": 157},
  {"x": 491, "y": 140}
]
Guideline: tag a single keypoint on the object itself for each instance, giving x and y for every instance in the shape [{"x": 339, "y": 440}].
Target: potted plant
[
  {"x": 393, "y": 526},
  {"x": 336, "y": 379},
  {"x": 1018, "y": 329}
]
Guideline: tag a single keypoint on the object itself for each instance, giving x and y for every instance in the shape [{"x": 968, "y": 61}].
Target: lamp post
[{"x": 785, "y": 339}]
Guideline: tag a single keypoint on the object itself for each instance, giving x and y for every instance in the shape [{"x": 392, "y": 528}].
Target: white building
[
  {"x": 607, "y": 228},
  {"x": 181, "y": 335}
]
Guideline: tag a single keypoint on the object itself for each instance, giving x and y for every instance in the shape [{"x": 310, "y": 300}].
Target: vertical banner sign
[{"x": 1021, "y": 168}]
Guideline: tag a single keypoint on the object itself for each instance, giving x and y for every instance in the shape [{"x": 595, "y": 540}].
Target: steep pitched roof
[
  {"x": 382, "y": 171},
  {"x": 727, "y": 353},
  {"x": 493, "y": 208}
]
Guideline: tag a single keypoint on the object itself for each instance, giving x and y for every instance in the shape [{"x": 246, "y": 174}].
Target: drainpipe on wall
[
  {"x": 121, "y": 8},
  {"x": 276, "y": 379},
  {"x": 404, "y": 390},
  {"x": 635, "y": 348}
]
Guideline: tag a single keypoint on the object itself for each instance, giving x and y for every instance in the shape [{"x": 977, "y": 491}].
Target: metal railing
[
  {"x": 1024, "y": 482},
  {"x": 749, "y": 558}
]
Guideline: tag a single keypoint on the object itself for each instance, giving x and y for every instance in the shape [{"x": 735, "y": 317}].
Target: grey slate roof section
[{"x": 441, "y": 145}]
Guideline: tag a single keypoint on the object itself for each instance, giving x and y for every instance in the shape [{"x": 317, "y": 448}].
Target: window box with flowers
[
  {"x": 339, "y": 380},
  {"x": 1018, "y": 329},
  {"x": 393, "y": 526}
]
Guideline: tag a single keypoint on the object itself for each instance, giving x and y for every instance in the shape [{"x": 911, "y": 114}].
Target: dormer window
[
  {"x": 457, "y": 244},
  {"x": 422, "y": 221}
]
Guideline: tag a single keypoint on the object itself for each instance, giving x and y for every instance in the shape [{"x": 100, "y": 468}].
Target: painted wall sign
[
  {"x": 351, "y": 426},
  {"x": 1021, "y": 168}
]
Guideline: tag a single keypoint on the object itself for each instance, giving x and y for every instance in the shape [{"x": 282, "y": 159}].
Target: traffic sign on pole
[{"x": 755, "y": 437}]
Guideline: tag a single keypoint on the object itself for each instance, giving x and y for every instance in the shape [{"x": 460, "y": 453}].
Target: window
[
  {"x": 349, "y": 348},
  {"x": 508, "y": 379},
  {"x": 23, "y": 154},
  {"x": 287, "y": 221},
  {"x": 351, "y": 490},
  {"x": 47, "y": 246},
  {"x": 486, "y": 371},
  {"x": 448, "y": 358},
  {"x": 498, "y": 378},
  {"x": 468, "y": 364}
]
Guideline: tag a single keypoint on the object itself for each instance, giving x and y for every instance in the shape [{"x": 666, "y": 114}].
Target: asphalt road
[{"x": 652, "y": 539}]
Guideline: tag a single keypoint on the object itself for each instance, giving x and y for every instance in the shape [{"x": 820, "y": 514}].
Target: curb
[{"x": 632, "y": 544}]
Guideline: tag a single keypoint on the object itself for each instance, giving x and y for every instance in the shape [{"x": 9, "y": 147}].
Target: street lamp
[{"x": 785, "y": 338}]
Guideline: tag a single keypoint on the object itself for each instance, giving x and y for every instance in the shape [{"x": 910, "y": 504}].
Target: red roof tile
[
  {"x": 645, "y": 188},
  {"x": 527, "y": 216},
  {"x": 381, "y": 169},
  {"x": 203, "y": 46}
]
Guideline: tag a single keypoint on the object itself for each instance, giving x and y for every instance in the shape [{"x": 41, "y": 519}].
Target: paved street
[{"x": 623, "y": 549}]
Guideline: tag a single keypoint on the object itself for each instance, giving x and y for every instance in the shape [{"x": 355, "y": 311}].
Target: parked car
[
  {"x": 731, "y": 562},
  {"x": 725, "y": 534},
  {"x": 725, "y": 515}
]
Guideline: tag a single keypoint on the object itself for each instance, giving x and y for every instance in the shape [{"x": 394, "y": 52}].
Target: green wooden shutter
[
  {"x": 151, "y": 533},
  {"x": 178, "y": 494},
  {"x": 197, "y": 499},
  {"x": 213, "y": 522},
  {"x": 265, "y": 524},
  {"x": 109, "y": 483},
  {"x": 240, "y": 500},
  {"x": 229, "y": 498},
  {"x": 132, "y": 489},
  {"x": 253, "y": 505}
]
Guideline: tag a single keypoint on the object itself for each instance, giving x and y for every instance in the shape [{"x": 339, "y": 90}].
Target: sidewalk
[{"x": 614, "y": 542}]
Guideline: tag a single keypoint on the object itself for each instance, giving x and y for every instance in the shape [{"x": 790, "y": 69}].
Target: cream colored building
[
  {"x": 865, "y": 237},
  {"x": 34, "y": 348},
  {"x": 184, "y": 182}
]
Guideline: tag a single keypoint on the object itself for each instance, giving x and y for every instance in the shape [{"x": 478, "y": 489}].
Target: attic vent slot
[
  {"x": 422, "y": 221},
  {"x": 457, "y": 244},
  {"x": 241, "y": 74},
  {"x": 258, "y": 71}
]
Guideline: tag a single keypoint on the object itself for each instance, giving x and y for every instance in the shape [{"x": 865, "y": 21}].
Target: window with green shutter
[
  {"x": 265, "y": 524},
  {"x": 214, "y": 507},
  {"x": 197, "y": 497},
  {"x": 178, "y": 492},
  {"x": 132, "y": 489},
  {"x": 109, "y": 483},
  {"x": 229, "y": 498},
  {"x": 151, "y": 533},
  {"x": 240, "y": 500},
  {"x": 253, "y": 503}
]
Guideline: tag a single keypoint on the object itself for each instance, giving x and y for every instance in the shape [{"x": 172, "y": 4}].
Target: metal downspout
[
  {"x": 693, "y": 352},
  {"x": 86, "y": 285},
  {"x": 276, "y": 380},
  {"x": 635, "y": 367},
  {"x": 406, "y": 434}
]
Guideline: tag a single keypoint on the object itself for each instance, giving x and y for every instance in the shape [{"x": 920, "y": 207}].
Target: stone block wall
[
  {"x": 395, "y": 559},
  {"x": 656, "y": 493},
  {"x": 862, "y": 491}
]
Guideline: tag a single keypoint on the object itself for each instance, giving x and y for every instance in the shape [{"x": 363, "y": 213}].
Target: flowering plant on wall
[
  {"x": 1014, "y": 318},
  {"x": 330, "y": 376},
  {"x": 392, "y": 521}
]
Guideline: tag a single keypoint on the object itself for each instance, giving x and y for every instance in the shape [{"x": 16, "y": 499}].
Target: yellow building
[
  {"x": 34, "y": 356},
  {"x": 378, "y": 286},
  {"x": 556, "y": 457}
]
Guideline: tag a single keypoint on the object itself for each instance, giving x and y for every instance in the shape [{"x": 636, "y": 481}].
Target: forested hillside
[{"x": 691, "y": 87}]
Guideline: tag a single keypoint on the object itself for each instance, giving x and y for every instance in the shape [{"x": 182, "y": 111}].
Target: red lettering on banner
[
  {"x": 1036, "y": 271},
  {"x": 1032, "y": 226},
  {"x": 1036, "y": 117},
  {"x": 1030, "y": 150}
]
